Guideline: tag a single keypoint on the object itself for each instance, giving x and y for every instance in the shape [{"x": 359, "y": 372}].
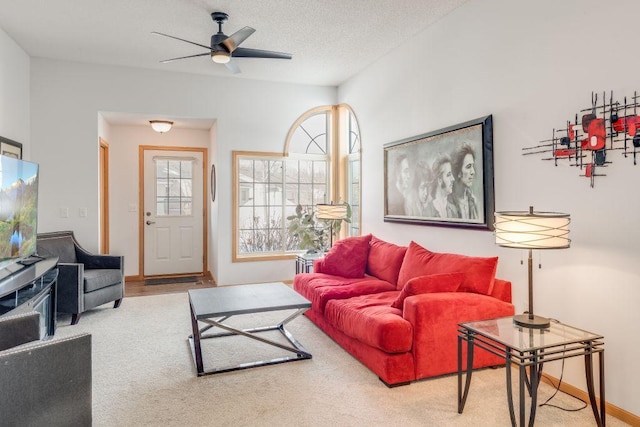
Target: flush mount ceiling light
[{"x": 161, "y": 126}]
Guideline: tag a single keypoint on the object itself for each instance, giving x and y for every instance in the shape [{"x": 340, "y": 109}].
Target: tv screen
[{"x": 18, "y": 209}]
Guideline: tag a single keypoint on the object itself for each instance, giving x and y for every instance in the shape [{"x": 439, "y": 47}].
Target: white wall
[
  {"x": 532, "y": 65},
  {"x": 14, "y": 93},
  {"x": 65, "y": 100}
]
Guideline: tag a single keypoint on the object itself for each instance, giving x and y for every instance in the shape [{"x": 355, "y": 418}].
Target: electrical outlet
[
  {"x": 64, "y": 212},
  {"x": 82, "y": 212}
]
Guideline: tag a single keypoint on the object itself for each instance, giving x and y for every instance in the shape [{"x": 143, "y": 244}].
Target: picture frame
[
  {"x": 10, "y": 148},
  {"x": 442, "y": 178},
  {"x": 214, "y": 181}
]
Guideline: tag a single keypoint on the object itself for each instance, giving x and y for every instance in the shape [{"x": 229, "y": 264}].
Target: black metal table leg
[
  {"x": 603, "y": 408},
  {"x": 460, "y": 405},
  {"x": 521, "y": 383},
  {"x": 509, "y": 387},
  {"x": 534, "y": 377},
  {"x": 470, "y": 344},
  {"x": 195, "y": 341},
  {"x": 600, "y": 416}
]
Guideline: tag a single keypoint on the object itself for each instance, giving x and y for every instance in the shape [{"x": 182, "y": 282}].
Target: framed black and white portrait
[{"x": 444, "y": 177}]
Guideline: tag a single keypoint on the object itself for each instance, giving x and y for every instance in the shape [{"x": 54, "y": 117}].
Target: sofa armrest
[
  {"x": 318, "y": 264},
  {"x": 435, "y": 318},
  {"x": 502, "y": 290},
  {"x": 70, "y": 290},
  {"x": 92, "y": 261},
  {"x": 53, "y": 376}
]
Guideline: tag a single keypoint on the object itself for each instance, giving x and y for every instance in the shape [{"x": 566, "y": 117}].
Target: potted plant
[
  {"x": 303, "y": 226},
  {"x": 312, "y": 233}
]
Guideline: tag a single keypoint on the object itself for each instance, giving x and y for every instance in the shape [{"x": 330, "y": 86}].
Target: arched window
[{"x": 320, "y": 163}]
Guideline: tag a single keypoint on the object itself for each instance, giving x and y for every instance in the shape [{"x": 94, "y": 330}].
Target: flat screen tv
[{"x": 18, "y": 210}]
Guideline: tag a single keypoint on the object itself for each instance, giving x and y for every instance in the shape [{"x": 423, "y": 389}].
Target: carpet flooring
[{"x": 143, "y": 375}]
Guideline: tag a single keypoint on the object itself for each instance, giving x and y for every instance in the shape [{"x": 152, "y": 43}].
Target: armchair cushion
[{"x": 100, "y": 278}]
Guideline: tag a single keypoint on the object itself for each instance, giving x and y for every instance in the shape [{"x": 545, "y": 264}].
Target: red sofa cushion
[
  {"x": 447, "y": 282},
  {"x": 319, "y": 288},
  {"x": 479, "y": 272},
  {"x": 414, "y": 264},
  {"x": 385, "y": 260},
  {"x": 347, "y": 257},
  {"x": 371, "y": 320}
]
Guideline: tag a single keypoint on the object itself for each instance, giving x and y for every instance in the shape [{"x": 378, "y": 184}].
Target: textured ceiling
[{"x": 330, "y": 40}]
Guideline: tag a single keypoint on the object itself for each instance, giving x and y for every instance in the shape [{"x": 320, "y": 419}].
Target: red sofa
[{"x": 396, "y": 308}]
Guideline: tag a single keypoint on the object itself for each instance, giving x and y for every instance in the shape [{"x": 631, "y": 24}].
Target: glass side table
[
  {"x": 525, "y": 347},
  {"x": 304, "y": 262}
]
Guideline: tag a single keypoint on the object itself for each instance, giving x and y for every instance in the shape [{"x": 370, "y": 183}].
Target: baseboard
[{"x": 611, "y": 410}]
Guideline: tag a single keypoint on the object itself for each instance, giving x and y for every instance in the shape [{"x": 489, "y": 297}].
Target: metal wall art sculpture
[{"x": 586, "y": 141}]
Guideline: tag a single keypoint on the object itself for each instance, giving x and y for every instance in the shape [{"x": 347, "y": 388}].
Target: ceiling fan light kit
[
  {"x": 223, "y": 48},
  {"x": 220, "y": 57}
]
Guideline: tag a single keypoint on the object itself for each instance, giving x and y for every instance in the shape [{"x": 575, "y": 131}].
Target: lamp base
[{"x": 531, "y": 321}]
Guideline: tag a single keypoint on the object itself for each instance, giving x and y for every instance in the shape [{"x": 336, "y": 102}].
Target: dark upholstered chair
[
  {"x": 43, "y": 383},
  {"x": 85, "y": 280}
]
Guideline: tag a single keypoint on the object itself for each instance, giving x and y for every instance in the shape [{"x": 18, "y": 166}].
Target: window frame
[
  {"x": 237, "y": 156},
  {"x": 339, "y": 175}
]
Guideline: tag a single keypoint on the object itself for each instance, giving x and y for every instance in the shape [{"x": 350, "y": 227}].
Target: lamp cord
[{"x": 557, "y": 389}]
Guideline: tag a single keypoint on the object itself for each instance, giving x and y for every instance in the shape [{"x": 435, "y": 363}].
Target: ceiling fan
[{"x": 223, "y": 48}]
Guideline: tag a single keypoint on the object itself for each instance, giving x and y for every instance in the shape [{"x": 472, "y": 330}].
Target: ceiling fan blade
[
  {"x": 182, "y": 40},
  {"x": 185, "y": 57},
  {"x": 233, "y": 41},
  {"x": 242, "y": 52},
  {"x": 232, "y": 66}
]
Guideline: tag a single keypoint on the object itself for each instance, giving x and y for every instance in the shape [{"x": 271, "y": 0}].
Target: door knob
[{"x": 150, "y": 222}]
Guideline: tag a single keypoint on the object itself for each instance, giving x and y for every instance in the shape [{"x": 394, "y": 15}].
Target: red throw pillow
[
  {"x": 446, "y": 282},
  {"x": 479, "y": 273},
  {"x": 385, "y": 260},
  {"x": 347, "y": 257},
  {"x": 414, "y": 264}
]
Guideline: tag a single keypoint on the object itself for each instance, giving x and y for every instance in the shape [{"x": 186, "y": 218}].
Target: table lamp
[
  {"x": 532, "y": 230},
  {"x": 331, "y": 212}
]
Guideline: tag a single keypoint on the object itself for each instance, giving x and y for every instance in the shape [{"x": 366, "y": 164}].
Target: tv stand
[
  {"x": 30, "y": 287},
  {"x": 31, "y": 260}
]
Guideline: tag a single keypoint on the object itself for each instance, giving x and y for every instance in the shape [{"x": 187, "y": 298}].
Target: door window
[{"x": 174, "y": 185}]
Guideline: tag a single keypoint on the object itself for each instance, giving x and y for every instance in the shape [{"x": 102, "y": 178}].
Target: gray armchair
[
  {"x": 85, "y": 280},
  {"x": 44, "y": 383}
]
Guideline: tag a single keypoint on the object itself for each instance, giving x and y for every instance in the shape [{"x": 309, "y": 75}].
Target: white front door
[{"x": 173, "y": 212}]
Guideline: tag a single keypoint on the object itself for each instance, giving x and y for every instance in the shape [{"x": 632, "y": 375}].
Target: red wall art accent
[{"x": 586, "y": 142}]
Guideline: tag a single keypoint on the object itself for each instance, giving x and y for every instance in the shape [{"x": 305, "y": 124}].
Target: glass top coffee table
[
  {"x": 213, "y": 306},
  {"x": 530, "y": 348}
]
